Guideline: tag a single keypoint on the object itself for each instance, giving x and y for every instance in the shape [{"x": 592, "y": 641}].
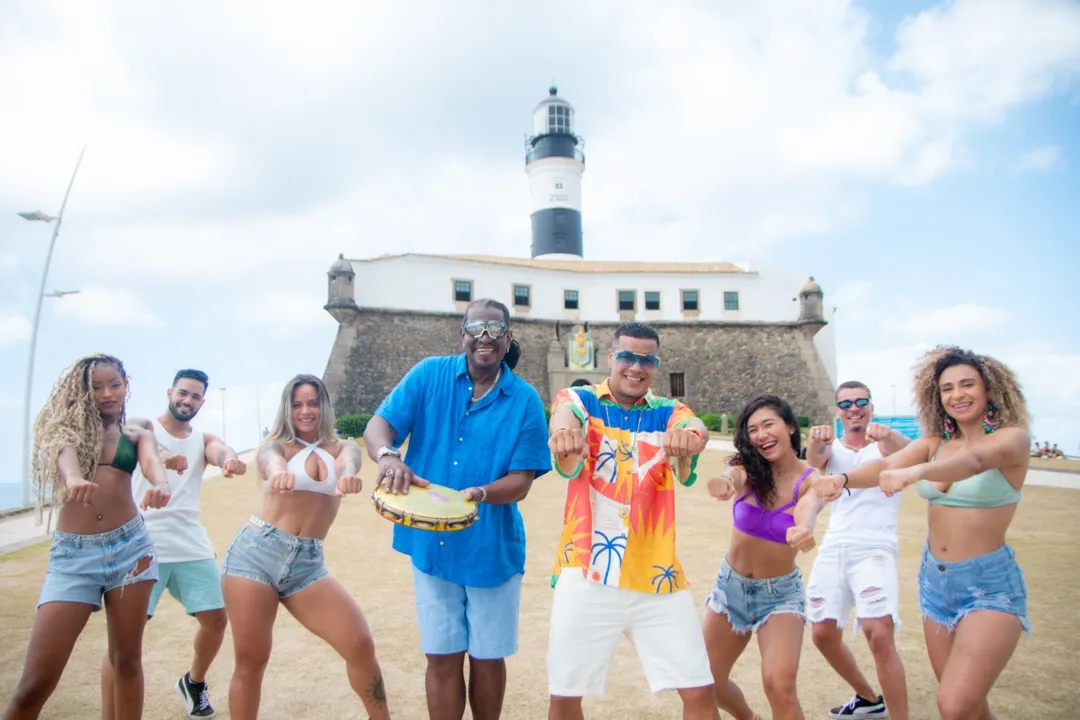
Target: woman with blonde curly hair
[
  {"x": 277, "y": 556},
  {"x": 970, "y": 466},
  {"x": 84, "y": 454}
]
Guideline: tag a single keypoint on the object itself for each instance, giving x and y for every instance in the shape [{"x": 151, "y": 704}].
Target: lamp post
[
  {"x": 224, "y": 437},
  {"x": 38, "y": 216}
]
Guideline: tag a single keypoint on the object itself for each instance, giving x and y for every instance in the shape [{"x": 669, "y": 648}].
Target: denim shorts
[
  {"x": 82, "y": 568},
  {"x": 285, "y": 562},
  {"x": 195, "y": 583},
  {"x": 749, "y": 602},
  {"x": 948, "y": 591},
  {"x": 455, "y": 618}
]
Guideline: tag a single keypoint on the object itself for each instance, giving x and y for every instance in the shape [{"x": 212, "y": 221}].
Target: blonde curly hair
[
  {"x": 1002, "y": 388},
  {"x": 69, "y": 418}
]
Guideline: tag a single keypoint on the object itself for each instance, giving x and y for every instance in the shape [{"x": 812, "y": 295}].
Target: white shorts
[
  {"x": 844, "y": 576},
  {"x": 587, "y": 620}
]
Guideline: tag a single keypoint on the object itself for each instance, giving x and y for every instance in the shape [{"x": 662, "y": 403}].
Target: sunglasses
[
  {"x": 493, "y": 328},
  {"x": 647, "y": 362},
  {"x": 846, "y": 404}
]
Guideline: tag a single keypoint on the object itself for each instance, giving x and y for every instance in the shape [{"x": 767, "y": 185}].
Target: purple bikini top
[{"x": 771, "y": 525}]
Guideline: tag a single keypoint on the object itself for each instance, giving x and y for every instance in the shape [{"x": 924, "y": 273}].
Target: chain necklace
[{"x": 494, "y": 384}]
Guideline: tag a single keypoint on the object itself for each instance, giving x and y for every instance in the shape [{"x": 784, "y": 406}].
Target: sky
[{"x": 920, "y": 160}]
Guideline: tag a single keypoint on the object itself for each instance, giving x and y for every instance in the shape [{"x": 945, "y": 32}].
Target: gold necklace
[{"x": 493, "y": 385}]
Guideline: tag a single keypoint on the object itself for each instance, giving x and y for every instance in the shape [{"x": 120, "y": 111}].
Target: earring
[
  {"x": 950, "y": 427},
  {"x": 990, "y": 421}
]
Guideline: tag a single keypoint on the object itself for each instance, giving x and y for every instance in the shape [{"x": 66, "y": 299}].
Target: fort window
[
  {"x": 570, "y": 300},
  {"x": 731, "y": 300},
  {"x": 678, "y": 384},
  {"x": 521, "y": 296},
  {"x": 627, "y": 300},
  {"x": 652, "y": 300},
  {"x": 689, "y": 301},
  {"x": 463, "y": 291}
]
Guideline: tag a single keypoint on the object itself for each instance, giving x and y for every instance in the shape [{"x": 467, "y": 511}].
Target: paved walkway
[{"x": 22, "y": 530}]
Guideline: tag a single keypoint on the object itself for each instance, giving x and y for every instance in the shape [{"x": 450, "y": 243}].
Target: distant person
[
  {"x": 856, "y": 563},
  {"x": 759, "y": 588},
  {"x": 970, "y": 467},
  {"x": 277, "y": 557},
  {"x": 475, "y": 426},
  {"x": 186, "y": 559},
  {"x": 622, "y": 448},
  {"x": 84, "y": 454}
]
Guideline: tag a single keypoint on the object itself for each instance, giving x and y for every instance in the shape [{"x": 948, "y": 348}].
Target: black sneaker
[
  {"x": 860, "y": 707},
  {"x": 196, "y": 697}
]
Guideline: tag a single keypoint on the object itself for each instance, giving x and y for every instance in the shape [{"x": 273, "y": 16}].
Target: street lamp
[
  {"x": 38, "y": 216},
  {"x": 224, "y": 437}
]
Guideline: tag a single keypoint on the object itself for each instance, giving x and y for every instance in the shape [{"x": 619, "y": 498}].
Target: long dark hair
[{"x": 759, "y": 475}]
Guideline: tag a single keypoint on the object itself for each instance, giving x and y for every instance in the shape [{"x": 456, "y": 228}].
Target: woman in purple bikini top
[{"x": 762, "y": 523}]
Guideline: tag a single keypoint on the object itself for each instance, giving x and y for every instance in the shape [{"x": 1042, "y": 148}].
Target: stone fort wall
[{"x": 724, "y": 364}]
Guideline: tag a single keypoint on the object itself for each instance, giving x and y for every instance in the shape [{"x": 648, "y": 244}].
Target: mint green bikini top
[{"x": 988, "y": 489}]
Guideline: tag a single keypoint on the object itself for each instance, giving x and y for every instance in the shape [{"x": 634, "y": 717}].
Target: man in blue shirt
[{"x": 473, "y": 426}]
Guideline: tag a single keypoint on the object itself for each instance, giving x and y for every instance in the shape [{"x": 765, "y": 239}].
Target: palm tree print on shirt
[
  {"x": 667, "y": 575},
  {"x": 614, "y": 546}
]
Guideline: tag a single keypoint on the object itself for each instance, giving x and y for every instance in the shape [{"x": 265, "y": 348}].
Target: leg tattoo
[{"x": 377, "y": 692}]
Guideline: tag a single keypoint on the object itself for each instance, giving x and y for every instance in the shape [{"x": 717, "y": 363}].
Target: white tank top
[
  {"x": 177, "y": 533},
  {"x": 867, "y": 517}
]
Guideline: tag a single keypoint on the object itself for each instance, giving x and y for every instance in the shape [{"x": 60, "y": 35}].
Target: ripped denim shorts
[
  {"x": 82, "y": 568},
  {"x": 749, "y": 602},
  {"x": 948, "y": 591}
]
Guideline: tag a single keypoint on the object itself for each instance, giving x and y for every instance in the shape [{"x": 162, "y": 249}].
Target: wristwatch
[{"x": 387, "y": 450}]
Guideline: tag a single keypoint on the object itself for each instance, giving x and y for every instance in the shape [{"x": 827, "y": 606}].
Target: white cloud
[
  {"x": 14, "y": 329},
  {"x": 964, "y": 319},
  {"x": 1042, "y": 159},
  {"x": 101, "y": 306}
]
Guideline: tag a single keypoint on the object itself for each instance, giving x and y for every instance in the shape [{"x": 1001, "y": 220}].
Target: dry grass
[{"x": 305, "y": 678}]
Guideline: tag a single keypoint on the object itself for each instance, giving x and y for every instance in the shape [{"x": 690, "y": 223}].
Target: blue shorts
[
  {"x": 82, "y": 568},
  {"x": 948, "y": 591},
  {"x": 454, "y": 618},
  {"x": 285, "y": 562},
  {"x": 195, "y": 583},
  {"x": 749, "y": 602}
]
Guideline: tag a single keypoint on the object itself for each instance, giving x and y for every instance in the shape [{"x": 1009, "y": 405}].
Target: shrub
[
  {"x": 711, "y": 420},
  {"x": 352, "y": 426},
  {"x": 804, "y": 421}
]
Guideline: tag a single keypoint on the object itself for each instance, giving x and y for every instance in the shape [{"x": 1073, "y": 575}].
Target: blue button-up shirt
[{"x": 458, "y": 446}]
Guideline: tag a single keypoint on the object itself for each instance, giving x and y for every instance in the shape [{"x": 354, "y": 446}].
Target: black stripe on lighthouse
[{"x": 556, "y": 230}]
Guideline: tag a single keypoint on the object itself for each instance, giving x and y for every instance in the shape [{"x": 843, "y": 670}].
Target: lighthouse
[{"x": 554, "y": 162}]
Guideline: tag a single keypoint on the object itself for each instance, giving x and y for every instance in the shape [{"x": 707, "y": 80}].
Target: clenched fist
[
  {"x": 282, "y": 481},
  {"x": 233, "y": 467},
  {"x": 828, "y": 487},
  {"x": 722, "y": 488},
  {"x": 821, "y": 437},
  {"x": 800, "y": 538},
  {"x": 156, "y": 497},
  {"x": 877, "y": 432},
  {"x": 349, "y": 485},
  {"x": 568, "y": 443},
  {"x": 894, "y": 481},
  {"x": 81, "y": 491},
  {"x": 176, "y": 462},
  {"x": 682, "y": 442}
]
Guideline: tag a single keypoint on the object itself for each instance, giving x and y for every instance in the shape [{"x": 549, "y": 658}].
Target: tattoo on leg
[{"x": 377, "y": 692}]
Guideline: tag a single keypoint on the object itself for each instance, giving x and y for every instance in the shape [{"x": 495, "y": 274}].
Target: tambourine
[{"x": 435, "y": 507}]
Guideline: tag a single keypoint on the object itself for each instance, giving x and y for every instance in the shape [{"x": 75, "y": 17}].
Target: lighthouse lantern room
[{"x": 554, "y": 162}]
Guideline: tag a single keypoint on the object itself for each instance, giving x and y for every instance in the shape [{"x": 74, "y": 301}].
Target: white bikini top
[{"x": 303, "y": 481}]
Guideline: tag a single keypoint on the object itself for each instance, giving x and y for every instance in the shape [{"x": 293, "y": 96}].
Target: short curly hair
[{"x": 1002, "y": 388}]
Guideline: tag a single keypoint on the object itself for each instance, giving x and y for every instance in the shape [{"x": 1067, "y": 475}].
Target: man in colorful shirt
[{"x": 622, "y": 448}]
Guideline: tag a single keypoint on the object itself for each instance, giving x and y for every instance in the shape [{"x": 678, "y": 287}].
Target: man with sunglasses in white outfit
[
  {"x": 856, "y": 564},
  {"x": 475, "y": 426}
]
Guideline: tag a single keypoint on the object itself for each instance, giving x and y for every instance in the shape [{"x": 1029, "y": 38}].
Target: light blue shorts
[
  {"x": 948, "y": 591},
  {"x": 749, "y": 602},
  {"x": 285, "y": 562},
  {"x": 82, "y": 568},
  {"x": 195, "y": 583},
  {"x": 454, "y": 618}
]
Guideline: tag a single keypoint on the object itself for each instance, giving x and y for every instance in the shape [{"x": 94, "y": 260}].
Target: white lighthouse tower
[{"x": 555, "y": 163}]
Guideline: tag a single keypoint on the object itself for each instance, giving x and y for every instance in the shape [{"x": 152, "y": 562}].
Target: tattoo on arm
[
  {"x": 376, "y": 692},
  {"x": 823, "y": 449}
]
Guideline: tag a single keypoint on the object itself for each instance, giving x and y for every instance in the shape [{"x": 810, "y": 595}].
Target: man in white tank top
[
  {"x": 856, "y": 564},
  {"x": 187, "y": 564}
]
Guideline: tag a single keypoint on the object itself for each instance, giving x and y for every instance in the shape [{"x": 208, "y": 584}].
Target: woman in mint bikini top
[
  {"x": 759, "y": 588},
  {"x": 970, "y": 467}
]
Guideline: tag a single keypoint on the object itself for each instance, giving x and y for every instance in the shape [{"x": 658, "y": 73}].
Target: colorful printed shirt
[{"x": 619, "y": 520}]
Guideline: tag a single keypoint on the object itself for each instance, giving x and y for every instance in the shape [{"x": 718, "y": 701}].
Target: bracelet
[
  {"x": 846, "y": 481},
  {"x": 483, "y": 494}
]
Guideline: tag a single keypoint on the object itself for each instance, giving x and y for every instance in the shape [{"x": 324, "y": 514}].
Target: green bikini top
[
  {"x": 988, "y": 489},
  {"x": 124, "y": 458}
]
